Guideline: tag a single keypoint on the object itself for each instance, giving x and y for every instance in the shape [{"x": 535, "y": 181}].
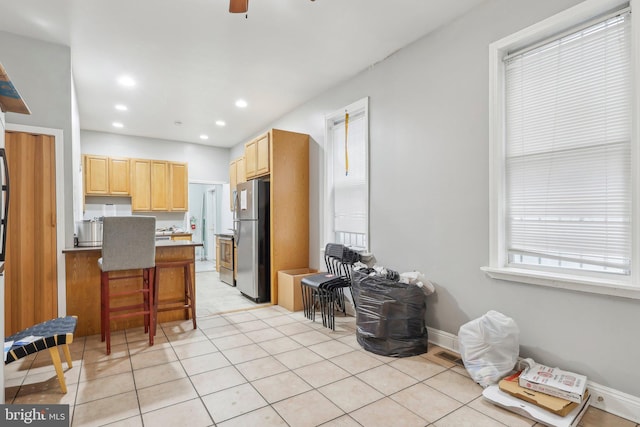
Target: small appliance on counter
[{"x": 89, "y": 232}]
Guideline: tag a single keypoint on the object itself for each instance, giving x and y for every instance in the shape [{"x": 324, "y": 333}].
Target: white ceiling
[{"x": 192, "y": 59}]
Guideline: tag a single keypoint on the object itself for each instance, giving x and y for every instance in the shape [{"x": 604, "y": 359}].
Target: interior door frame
[
  {"x": 211, "y": 209},
  {"x": 57, "y": 134}
]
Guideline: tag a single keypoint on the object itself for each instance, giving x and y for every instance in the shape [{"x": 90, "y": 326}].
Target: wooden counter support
[{"x": 83, "y": 285}]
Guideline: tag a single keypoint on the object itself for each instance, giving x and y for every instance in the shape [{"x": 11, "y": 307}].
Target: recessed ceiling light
[
  {"x": 121, "y": 107},
  {"x": 221, "y": 123},
  {"x": 126, "y": 81},
  {"x": 203, "y": 136},
  {"x": 117, "y": 125},
  {"x": 241, "y": 103}
]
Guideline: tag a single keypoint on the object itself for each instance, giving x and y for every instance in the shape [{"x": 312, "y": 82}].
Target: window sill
[{"x": 564, "y": 281}]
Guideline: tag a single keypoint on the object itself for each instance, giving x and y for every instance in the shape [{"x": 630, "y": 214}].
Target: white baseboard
[{"x": 610, "y": 400}]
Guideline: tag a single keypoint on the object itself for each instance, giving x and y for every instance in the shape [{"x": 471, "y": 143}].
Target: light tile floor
[{"x": 263, "y": 366}]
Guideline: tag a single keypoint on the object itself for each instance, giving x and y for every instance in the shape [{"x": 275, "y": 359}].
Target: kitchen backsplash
[{"x": 96, "y": 207}]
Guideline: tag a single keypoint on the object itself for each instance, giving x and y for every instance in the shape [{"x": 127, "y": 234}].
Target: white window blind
[
  {"x": 347, "y": 172},
  {"x": 568, "y": 150}
]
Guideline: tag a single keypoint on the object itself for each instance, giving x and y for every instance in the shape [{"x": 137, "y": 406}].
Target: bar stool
[
  {"x": 128, "y": 243},
  {"x": 186, "y": 303}
]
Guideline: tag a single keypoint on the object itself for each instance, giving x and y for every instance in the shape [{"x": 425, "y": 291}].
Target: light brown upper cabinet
[
  {"x": 141, "y": 188},
  {"x": 119, "y": 176},
  {"x": 179, "y": 179},
  {"x": 160, "y": 198},
  {"x": 237, "y": 175},
  {"x": 256, "y": 155},
  {"x": 106, "y": 176},
  {"x": 159, "y": 185},
  {"x": 96, "y": 175}
]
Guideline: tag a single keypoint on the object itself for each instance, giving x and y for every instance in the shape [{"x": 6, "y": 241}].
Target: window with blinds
[
  {"x": 568, "y": 136},
  {"x": 347, "y": 174}
]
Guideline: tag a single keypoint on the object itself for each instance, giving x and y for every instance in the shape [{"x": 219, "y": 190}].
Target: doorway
[
  {"x": 210, "y": 224},
  {"x": 204, "y": 221}
]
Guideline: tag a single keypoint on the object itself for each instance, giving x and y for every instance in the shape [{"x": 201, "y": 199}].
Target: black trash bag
[{"x": 389, "y": 315}]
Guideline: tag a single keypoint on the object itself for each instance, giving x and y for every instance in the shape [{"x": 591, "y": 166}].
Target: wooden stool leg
[
  {"x": 189, "y": 294},
  {"x": 55, "y": 357},
  {"x": 102, "y": 307},
  {"x": 106, "y": 323},
  {"x": 67, "y": 355},
  {"x": 151, "y": 304},
  {"x": 156, "y": 279},
  {"x": 145, "y": 300}
]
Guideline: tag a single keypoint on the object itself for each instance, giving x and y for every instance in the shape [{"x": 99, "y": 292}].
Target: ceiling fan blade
[{"x": 238, "y": 6}]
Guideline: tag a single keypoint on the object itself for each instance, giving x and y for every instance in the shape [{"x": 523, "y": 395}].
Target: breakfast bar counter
[{"x": 83, "y": 284}]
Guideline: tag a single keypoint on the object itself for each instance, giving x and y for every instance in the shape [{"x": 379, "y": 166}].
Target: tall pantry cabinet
[{"x": 281, "y": 157}]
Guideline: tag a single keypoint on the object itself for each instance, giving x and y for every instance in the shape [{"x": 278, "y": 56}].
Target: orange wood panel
[
  {"x": 140, "y": 185},
  {"x": 159, "y": 186},
  {"x": 31, "y": 288}
]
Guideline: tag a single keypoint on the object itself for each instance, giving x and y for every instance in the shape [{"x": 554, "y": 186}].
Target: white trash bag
[{"x": 489, "y": 347}]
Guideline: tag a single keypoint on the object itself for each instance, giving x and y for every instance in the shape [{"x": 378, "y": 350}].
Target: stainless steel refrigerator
[{"x": 252, "y": 240}]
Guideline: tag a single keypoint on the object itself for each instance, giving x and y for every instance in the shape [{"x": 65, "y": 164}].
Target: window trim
[
  {"x": 359, "y": 105},
  {"x": 497, "y": 268}
]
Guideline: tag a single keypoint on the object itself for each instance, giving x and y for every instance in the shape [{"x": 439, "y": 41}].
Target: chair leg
[
  {"x": 55, "y": 357},
  {"x": 106, "y": 307},
  {"x": 154, "y": 304},
  {"x": 190, "y": 296},
  {"x": 145, "y": 299},
  {"x": 102, "y": 307},
  {"x": 67, "y": 356},
  {"x": 150, "y": 306}
]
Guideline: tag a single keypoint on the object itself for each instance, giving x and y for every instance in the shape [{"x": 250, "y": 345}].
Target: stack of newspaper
[{"x": 548, "y": 395}]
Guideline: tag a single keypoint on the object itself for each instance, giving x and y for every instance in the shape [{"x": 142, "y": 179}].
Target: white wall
[
  {"x": 42, "y": 74},
  {"x": 430, "y": 194}
]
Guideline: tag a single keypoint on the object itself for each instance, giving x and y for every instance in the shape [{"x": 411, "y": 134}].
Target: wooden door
[
  {"x": 96, "y": 175},
  {"x": 140, "y": 185},
  {"x": 241, "y": 175},
  {"x": 119, "y": 176},
  {"x": 159, "y": 186},
  {"x": 262, "y": 161},
  {"x": 233, "y": 181},
  {"x": 179, "y": 187},
  {"x": 31, "y": 285},
  {"x": 251, "y": 158}
]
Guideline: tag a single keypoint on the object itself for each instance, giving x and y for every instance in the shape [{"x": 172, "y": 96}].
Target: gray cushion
[{"x": 128, "y": 242}]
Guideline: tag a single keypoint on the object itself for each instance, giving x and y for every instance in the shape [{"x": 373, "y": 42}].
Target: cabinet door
[
  {"x": 251, "y": 158},
  {"x": 119, "y": 176},
  {"x": 262, "y": 160},
  {"x": 233, "y": 182},
  {"x": 182, "y": 237},
  {"x": 217, "y": 254},
  {"x": 179, "y": 177},
  {"x": 96, "y": 175},
  {"x": 141, "y": 185},
  {"x": 160, "y": 186},
  {"x": 241, "y": 173}
]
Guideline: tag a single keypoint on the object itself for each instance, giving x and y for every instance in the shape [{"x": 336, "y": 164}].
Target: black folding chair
[{"x": 326, "y": 289}]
